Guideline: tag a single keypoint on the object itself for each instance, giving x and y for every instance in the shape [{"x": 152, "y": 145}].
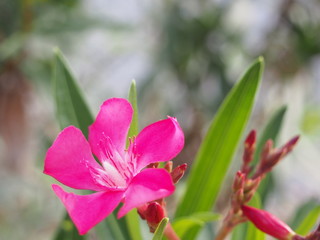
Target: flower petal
[
  {"x": 148, "y": 185},
  {"x": 113, "y": 121},
  {"x": 88, "y": 210},
  {"x": 69, "y": 160},
  {"x": 158, "y": 142}
]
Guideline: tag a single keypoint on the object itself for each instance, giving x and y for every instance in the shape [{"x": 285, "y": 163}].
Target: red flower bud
[
  {"x": 251, "y": 139},
  {"x": 268, "y": 223},
  {"x": 249, "y": 148},
  {"x": 290, "y": 145},
  {"x": 154, "y": 213},
  {"x": 178, "y": 172},
  {"x": 239, "y": 181}
]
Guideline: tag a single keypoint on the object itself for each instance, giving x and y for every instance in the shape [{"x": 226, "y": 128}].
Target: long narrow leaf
[
  {"x": 134, "y": 127},
  {"x": 132, "y": 218},
  {"x": 219, "y": 145},
  {"x": 72, "y": 109},
  {"x": 70, "y": 105}
]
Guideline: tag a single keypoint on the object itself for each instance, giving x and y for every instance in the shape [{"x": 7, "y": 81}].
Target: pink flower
[
  {"x": 121, "y": 176},
  {"x": 268, "y": 223}
]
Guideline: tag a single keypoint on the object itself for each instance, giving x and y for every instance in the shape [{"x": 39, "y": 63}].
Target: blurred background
[{"x": 184, "y": 55}]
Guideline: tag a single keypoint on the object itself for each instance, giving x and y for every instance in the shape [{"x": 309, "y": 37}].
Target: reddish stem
[{"x": 170, "y": 233}]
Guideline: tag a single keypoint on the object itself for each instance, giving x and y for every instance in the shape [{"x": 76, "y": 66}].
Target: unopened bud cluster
[
  {"x": 246, "y": 182},
  {"x": 245, "y": 186}
]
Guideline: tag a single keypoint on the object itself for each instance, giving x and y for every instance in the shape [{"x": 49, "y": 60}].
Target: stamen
[{"x": 118, "y": 167}]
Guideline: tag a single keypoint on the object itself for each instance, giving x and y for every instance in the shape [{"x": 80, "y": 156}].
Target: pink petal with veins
[
  {"x": 113, "y": 121},
  {"x": 69, "y": 160}
]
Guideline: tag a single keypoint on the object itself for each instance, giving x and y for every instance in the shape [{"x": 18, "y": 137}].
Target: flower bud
[
  {"x": 239, "y": 181},
  {"x": 154, "y": 214},
  {"x": 290, "y": 145},
  {"x": 251, "y": 139},
  {"x": 178, "y": 172},
  {"x": 268, "y": 223},
  {"x": 142, "y": 210},
  {"x": 168, "y": 166},
  {"x": 237, "y": 200},
  {"x": 249, "y": 148},
  {"x": 153, "y": 165}
]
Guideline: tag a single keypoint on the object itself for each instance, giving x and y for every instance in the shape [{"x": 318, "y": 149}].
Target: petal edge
[
  {"x": 86, "y": 211},
  {"x": 113, "y": 121},
  {"x": 159, "y": 142}
]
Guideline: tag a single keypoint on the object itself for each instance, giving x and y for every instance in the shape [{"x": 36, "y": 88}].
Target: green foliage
[
  {"x": 183, "y": 224},
  {"x": 134, "y": 127},
  {"x": 302, "y": 212},
  {"x": 219, "y": 145},
  {"x": 309, "y": 221},
  {"x": 239, "y": 232},
  {"x": 160, "y": 229}
]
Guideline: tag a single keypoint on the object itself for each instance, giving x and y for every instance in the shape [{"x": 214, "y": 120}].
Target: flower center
[{"x": 119, "y": 167}]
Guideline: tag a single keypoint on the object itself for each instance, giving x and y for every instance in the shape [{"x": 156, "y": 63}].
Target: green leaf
[
  {"x": 160, "y": 229},
  {"x": 70, "y": 105},
  {"x": 219, "y": 145},
  {"x": 72, "y": 109},
  {"x": 183, "y": 224},
  {"x": 309, "y": 221},
  {"x": 302, "y": 212},
  {"x": 134, "y": 127},
  {"x": 239, "y": 232},
  {"x": 252, "y": 231},
  {"x": 132, "y": 218},
  {"x": 67, "y": 230},
  {"x": 206, "y": 216},
  {"x": 117, "y": 229}
]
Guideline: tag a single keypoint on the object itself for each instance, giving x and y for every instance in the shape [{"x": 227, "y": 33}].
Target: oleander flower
[{"x": 121, "y": 175}]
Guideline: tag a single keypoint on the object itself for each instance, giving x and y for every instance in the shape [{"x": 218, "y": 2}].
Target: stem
[
  {"x": 170, "y": 233},
  {"x": 231, "y": 220},
  {"x": 223, "y": 232}
]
